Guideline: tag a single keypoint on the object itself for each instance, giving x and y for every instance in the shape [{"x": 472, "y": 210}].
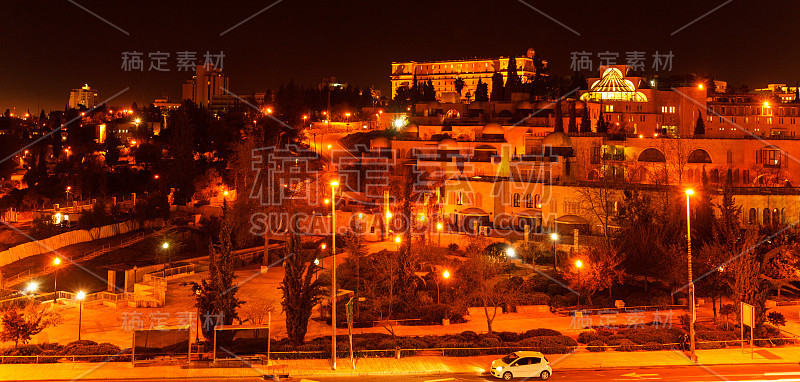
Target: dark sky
[{"x": 52, "y": 46}]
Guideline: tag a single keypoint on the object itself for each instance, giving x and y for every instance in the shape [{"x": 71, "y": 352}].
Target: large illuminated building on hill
[{"x": 443, "y": 74}]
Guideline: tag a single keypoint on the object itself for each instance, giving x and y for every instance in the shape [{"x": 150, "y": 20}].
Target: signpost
[
  {"x": 350, "y": 330},
  {"x": 748, "y": 318}
]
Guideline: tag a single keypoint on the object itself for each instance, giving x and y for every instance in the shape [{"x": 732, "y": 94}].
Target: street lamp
[
  {"x": 397, "y": 240},
  {"x": 689, "y": 193},
  {"x": 80, "y": 296},
  {"x": 439, "y": 227},
  {"x": 334, "y": 184},
  {"x": 56, "y": 261},
  {"x": 445, "y": 275},
  {"x": 554, "y": 239},
  {"x": 510, "y": 252},
  {"x": 165, "y": 245},
  {"x": 578, "y": 264},
  {"x": 32, "y": 287}
]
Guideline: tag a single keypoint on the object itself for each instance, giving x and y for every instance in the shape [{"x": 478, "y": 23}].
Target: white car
[{"x": 522, "y": 364}]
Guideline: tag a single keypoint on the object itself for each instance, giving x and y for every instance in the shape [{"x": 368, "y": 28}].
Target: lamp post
[
  {"x": 56, "y": 261},
  {"x": 554, "y": 238},
  {"x": 333, "y": 271},
  {"x": 80, "y": 296},
  {"x": 689, "y": 193},
  {"x": 398, "y": 240},
  {"x": 32, "y": 287},
  {"x": 197, "y": 323},
  {"x": 439, "y": 227},
  {"x": 578, "y": 266},
  {"x": 445, "y": 275}
]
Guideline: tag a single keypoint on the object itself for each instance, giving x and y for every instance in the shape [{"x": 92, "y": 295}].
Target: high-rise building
[
  {"x": 443, "y": 74},
  {"x": 207, "y": 83},
  {"x": 85, "y": 96}
]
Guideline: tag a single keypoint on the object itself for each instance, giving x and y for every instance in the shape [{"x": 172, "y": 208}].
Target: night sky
[{"x": 50, "y": 47}]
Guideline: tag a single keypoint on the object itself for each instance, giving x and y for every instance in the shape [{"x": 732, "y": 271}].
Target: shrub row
[{"x": 50, "y": 353}]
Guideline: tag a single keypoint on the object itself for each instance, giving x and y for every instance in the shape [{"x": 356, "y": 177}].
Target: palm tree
[{"x": 459, "y": 84}]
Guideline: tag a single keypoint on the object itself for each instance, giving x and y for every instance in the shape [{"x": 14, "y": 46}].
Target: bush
[
  {"x": 433, "y": 314},
  {"x": 624, "y": 345},
  {"x": 596, "y": 346},
  {"x": 549, "y": 344},
  {"x": 509, "y": 336},
  {"x": 469, "y": 336},
  {"x": 643, "y": 336},
  {"x": 535, "y": 298},
  {"x": 650, "y": 346},
  {"x": 587, "y": 337},
  {"x": 776, "y": 319},
  {"x": 489, "y": 342},
  {"x": 452, "y": 247},
  {"x": 540, "y": 333}
]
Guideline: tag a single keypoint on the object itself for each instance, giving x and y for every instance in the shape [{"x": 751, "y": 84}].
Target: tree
[
  {"x": 572, "y": 126},
  {"x": 513, "y": 81},
  {"x": 481, "y": 91},
  {"x": 700, "y": 125},
  {"x": 301, "y": 292},
  {"x": 215, "y": 296},
  {"x": 600, "y": 268},
  {"x": 598, "y": 200},
  {"x": 21, "y": 323},
  {"x": 477, "y": 283},
  {"x": 559, "y": 117},
  {"x": 112, "y": 144},
  {"x": 602, "y": 124},
  {"x": 586, "y": 123},
  {"x": 498, "y": 90},
  {"x": 459, "y": 85}
]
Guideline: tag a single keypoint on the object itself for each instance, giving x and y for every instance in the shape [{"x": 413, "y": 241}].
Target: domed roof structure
[
  {"x": 524, "y": 105},
  {"x": 412, "y": 128},
  {"x": 380, "y": 143},
  {"x": 448, "y": 144},
  {"x": 546, "y": 105},
  {"x": 492, "y": 128},
  {"x": 476, "y": 105},
  {"x": 580, "y": 105},
  {"x": 557, "y": 139}
]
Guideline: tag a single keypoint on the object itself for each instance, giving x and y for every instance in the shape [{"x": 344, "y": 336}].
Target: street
[{"x": 783, "y": 372}]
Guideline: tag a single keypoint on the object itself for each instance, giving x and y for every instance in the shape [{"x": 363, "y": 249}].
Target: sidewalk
[{"x": 384, "y": 366}]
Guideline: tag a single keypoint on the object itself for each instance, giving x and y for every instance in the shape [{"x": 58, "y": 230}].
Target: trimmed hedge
[{"x": 50, "y": 353}]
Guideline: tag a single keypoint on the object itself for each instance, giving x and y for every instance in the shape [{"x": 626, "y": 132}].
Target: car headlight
[{"x": 499, "y": 368}]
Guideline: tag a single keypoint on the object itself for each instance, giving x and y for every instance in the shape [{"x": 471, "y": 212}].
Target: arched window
[
  {"x": 766, "y": 218},
  {"x": 505, "y": 114},
  {"x": 537, "y": 201},
  {"x": 516, "y": 200},
  {"x": 753, "y": 218},
  {"x": 776, "y": 217},
  {"x": 699, "y": 156},
  {"x": 593, "y": 175},
  {"x": 528, "y": 201},
  {"x": 652, "y": 155}
]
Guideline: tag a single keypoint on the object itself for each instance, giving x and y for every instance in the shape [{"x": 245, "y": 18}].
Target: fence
[
  {"x": 627, "y": 309},
  {"x": 164, "y": 273}
]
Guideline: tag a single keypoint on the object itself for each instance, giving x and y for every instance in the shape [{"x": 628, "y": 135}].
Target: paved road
[{"x": 784, "y": 373}]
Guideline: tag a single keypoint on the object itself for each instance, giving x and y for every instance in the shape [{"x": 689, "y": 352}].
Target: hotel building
[
  {"x": 443, "y": 74},
  {"x": 83, "y": 97}
]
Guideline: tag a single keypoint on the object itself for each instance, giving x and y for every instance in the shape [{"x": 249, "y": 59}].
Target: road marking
[
  {"x": 783, "y": 373},
  {"x": 637, "y": 375},
  {"x": 440, "y": 380}
]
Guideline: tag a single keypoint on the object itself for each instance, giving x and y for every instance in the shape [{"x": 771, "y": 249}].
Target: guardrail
[
  {"x": 131, "y": 240},
  {"x": 627, "y": 309},
  {"x": 97, "y": 252},
  {"x": 17, "y": 279},
  {"x": 73, "y": 358},
  {"x": 164, "y": 273}
]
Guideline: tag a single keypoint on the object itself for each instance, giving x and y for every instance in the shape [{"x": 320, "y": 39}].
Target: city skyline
[{"x": 263, "y": 49}]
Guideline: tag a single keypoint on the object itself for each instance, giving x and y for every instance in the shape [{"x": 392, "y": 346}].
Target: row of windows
[
  {"x": 754, "y": 110},
  {"x": 768, "y": 120},
  {"x": 530, "y": 200}
]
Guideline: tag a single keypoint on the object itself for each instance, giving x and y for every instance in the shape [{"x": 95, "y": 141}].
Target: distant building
[
  {"x": 207, "y": 83},
  {"x": 443, "y": 74},
  {"x": 85, "y": 96}
]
